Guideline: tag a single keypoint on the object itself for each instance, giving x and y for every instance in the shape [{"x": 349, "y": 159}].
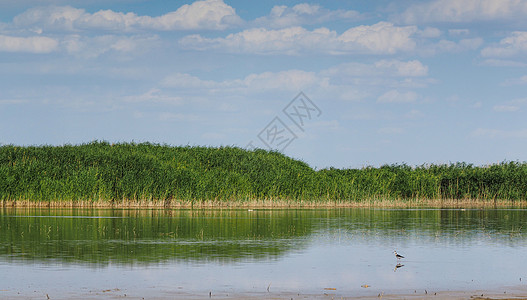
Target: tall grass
[{"x": 99, "y": 171}]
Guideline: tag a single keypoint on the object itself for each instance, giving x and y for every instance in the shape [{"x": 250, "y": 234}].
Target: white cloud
[
  {"x": 304, "y": 13},
  {"x": 35, "y": 44},
  {"x": 347, "y": 82},
  {"x": 187, "y": 81},
  {"x": 207, "y": 14},
  {"x": 380, "y": 38},
  {"x": 92, "y": 47},
  {"x": 394, "y": 96},
  {"x": 464, "y": 11},
  {"x": 430, "y": 32},
  {"x": 155, "y": 96},
  {"x": 513, "y": 45},
  {"x": 262, "y": 41},
  {"x": 462, "y": 45},
  {"x": 381, "y": 73},
  {"x": 285, "y": 80},
  {"x": 50, "y": 18},
  {"x": 411, "y": 68}
]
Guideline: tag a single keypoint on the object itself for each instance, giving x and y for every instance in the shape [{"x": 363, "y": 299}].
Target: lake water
[{"x": 67, "y": 253}]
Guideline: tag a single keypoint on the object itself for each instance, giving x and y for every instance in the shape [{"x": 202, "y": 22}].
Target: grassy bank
[{"x": 145, "y": 174}]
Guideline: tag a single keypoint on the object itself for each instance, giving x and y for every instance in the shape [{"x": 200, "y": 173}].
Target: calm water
[{"x": 183, "y": 253}]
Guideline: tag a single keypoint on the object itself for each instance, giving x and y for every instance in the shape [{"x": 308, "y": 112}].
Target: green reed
[{"x": 100, "y": 171}]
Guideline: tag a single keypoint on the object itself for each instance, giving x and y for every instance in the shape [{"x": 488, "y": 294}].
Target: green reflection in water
[
  {"x": 130, "y": 236},
  {"x": 101, "y": 237}
]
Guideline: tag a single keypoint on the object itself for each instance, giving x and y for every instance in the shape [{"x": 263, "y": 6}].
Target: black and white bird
[
  {"x": 397, "y": 266},
  {"x": 397, "y": 255}
]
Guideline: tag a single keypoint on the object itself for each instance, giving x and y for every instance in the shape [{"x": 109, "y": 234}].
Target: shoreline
[
  {"x": 513, "y": 292},
  {"x": 267, "y": 204}
]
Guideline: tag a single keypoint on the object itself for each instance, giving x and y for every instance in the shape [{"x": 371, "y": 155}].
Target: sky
[{"x": 342, "y": 84}]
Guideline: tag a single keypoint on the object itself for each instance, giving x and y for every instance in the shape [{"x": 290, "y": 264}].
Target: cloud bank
[
  {"x": 200, "y": 15},
  {"x": 379, "y": 38}
]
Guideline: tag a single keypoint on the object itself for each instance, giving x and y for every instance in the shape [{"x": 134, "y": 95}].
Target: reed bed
[
  {"x": 100, "y": 174},
  {"x": 268, "y": 204}
]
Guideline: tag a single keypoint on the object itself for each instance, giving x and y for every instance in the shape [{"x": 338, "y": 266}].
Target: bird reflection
[{"x": 397, "y": 266}]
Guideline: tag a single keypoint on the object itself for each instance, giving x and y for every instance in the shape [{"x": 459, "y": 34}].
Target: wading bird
[
  {"x": 397, "y": 266},
  {"x": 397, "y": 255}
]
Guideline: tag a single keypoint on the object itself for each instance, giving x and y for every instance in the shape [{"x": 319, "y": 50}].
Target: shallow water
[{"x": 168, "y": 253}]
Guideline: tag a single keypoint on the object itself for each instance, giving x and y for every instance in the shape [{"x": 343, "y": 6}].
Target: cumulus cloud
[
  {"x": 300, "y": 14},
  {"x": 452, "y": 46},
  {"x": 263, "y": 41},
  {"x": 206, "y": 14},
  {"x": 513, "y": 45},
  {"x": 380, "y": 38},
  {"x": 51, "y": 18},
  {"x": 35, "y": 44},
  {"x": 430, "y": 32},
  {"x": 464, "y": 11},
  {"x": 394, "y": 96}
]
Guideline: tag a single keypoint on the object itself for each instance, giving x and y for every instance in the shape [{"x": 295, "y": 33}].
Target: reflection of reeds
[
  {"x": 100, "y": 174},
  {"x": 269, "y": 204},
  {"x": 150, "y": 235}
]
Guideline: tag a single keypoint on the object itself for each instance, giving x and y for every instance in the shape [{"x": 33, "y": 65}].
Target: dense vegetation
[{"x": 100, "y": 171}]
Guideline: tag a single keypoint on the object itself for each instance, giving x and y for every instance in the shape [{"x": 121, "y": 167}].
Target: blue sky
[{"x": 383, "y": 81}]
